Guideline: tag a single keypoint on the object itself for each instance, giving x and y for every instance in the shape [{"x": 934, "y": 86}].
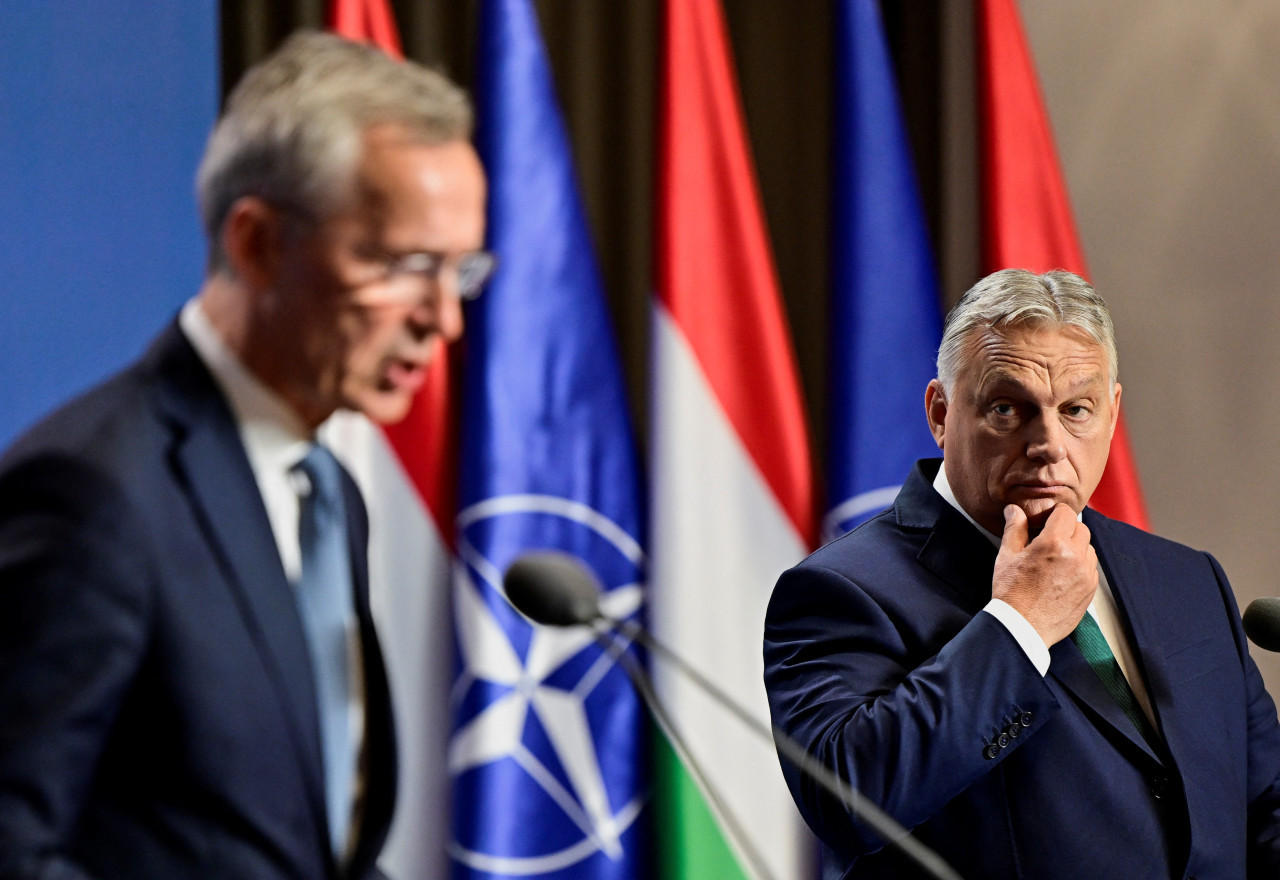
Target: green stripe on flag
[{"x": 690, "y": 843}]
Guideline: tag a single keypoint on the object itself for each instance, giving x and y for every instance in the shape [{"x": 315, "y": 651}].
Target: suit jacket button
[
  {"x": 1014, "y": 730},
  {"x": 1025, "y": 720},
  {"x": 990, "y": 750}
]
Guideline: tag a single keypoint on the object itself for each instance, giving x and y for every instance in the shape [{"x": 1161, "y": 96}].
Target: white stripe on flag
[{"x": 719, "y": 541}]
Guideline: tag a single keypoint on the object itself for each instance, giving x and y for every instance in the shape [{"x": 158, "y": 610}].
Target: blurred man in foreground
[
  {"x": 190, "y": 682},
  {"x": 1037, "y": 690}
]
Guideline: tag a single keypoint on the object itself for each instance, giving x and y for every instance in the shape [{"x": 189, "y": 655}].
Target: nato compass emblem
[
  {"x": 857, "y": 510},
  {"x": 546, "y": 754}
]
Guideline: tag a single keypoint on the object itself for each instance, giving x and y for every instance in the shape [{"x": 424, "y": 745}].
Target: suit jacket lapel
[
  {"x": 952, "y": 548},
  {"x": 209, "y": 458}
]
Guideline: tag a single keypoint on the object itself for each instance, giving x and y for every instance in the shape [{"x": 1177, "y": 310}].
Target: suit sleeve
[
  {"x": 910, "y": 715},
  {"x": 73, "y": 623}
]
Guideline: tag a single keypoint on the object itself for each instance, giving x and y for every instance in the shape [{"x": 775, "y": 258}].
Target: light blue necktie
[{"x": 324, "y": 597}]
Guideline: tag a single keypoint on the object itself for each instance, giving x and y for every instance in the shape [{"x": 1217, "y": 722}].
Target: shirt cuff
[{"x": 1023, "y": 632}]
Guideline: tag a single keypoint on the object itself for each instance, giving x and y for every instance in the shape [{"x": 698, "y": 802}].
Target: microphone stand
[
  {"x": 606, "y": 633},
  {"x": 863, "y": 810}
]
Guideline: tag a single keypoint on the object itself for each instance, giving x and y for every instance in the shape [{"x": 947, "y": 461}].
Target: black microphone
[
  {"x": 552, "y": 588},
  {"x": 1262, "y": 623},
  {"x": 556, "y": 589}
]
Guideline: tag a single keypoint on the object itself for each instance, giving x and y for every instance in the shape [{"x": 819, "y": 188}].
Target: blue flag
[
  {"x": 886, "y": 321},
  {"x": 547, "y": 754}
]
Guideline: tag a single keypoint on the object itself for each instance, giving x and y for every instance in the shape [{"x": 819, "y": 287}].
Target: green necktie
[{"x": 1093, "y": 645}]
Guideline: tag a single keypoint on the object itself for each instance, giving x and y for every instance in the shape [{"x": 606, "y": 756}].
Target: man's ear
[
  {"x": 935, "y": 410},
  {"x": 252, "y": 236},
  {"x": 1115, "y": 407}
]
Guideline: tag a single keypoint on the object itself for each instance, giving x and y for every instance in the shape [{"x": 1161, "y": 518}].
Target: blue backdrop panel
[{"x": 104, "y": 108}]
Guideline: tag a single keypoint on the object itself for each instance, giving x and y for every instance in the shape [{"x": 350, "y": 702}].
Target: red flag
[
  {"x": 369, "y": 21},
  {"x": 1027, "y": 221}
]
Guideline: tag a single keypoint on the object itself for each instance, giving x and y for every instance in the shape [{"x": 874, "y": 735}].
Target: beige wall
[{"x": 1167, "y": 116}]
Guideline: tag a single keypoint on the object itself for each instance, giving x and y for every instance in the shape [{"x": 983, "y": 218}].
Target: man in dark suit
[
  {"x": 1037, "y": 690},
  {"x": 190, "y": 682}
]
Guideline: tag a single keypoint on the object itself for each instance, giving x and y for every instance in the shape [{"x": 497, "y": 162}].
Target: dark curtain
[{"x": 605, "y": 58}]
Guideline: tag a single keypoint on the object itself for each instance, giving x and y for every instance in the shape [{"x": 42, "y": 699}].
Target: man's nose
[
  {"x": 1047, "y": 440},
  {"x": 439, "y": 310},
  {"x": 451, "y": 320}
]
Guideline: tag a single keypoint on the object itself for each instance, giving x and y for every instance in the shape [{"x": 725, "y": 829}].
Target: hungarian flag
[
  {"x": 732, "y": 496},
  {"x": 547, "y": 756},
  {"x": 1027, "y": 222},
  {"x": 885, "y": 315},
  {"x": 405, "y": 473}
]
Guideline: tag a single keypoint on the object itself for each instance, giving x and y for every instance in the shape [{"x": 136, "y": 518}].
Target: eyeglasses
[{"x": 471, "y": 271}]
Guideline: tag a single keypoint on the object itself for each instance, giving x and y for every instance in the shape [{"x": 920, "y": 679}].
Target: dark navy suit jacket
[
  {"x": 157, "y": 712},
  {"x": 878, "y": 661}
]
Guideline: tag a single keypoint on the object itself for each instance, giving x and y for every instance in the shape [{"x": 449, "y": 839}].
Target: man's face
[
  {"x": 353, "y": 337},
  {"x": 1029, "y": 422}
]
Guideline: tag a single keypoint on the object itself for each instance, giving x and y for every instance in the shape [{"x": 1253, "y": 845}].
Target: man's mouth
[
  {"x": 406, "y": 375},
  {"x": 1039, "y": 488}
]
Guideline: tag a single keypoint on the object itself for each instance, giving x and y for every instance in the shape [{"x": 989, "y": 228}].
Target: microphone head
[
  {"x": 553, "y": 588},
  {"x": 1262, "y": 623}
]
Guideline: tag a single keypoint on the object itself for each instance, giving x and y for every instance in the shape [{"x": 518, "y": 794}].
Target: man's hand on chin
[{"x": 1050, "y": 578}]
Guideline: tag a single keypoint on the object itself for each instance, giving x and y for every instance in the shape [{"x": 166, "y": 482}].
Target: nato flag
[
  {"x": 886, "y": 321},
  {"x": 547, "y": 754}
]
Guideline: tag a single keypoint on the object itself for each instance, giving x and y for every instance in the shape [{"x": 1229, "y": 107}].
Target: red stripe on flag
[
  {"x": 715, "y": 272},
  {"x": 426, "y": 441},
  {"x": 369, "y": 21},
  {"x": 1027, "y": 220}
]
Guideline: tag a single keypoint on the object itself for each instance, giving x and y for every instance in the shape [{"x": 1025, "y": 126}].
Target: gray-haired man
[
  {"x": 190, "y": 682},
  {"x": 1037, "y": 690}
]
